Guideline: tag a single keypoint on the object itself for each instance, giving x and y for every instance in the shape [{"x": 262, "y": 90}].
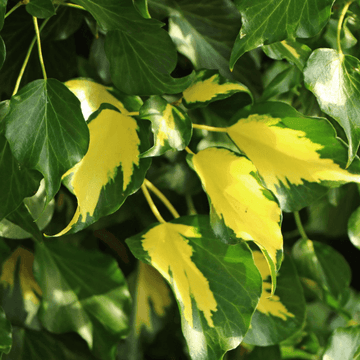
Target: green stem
[
  {"x": 72, "y": 5},
  {"x": 152, "y": 205},
  {"x": 209, "y": 128},
  {"x": 13, "y": 9},
  {"x": 341, "y": 20},
  {"x": 39, "y": 47},
  {"x": 300, "y": 225}
]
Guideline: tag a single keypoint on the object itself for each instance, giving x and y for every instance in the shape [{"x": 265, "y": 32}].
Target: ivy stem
[
  {"x": 39, "y": 47},
  {"x": 152, "y": 205},
  {"x": 300, "y": 225},
  {"x": 209, "y": 128},
  {"x": 134, "y": 113},
  {"x": 162, "y": 197},
  {"x": 341, "y": 20},
  {"x": 13, "y": 9},
  {"x": 190, "y": 204},
  {"x": 27, "y": 57},
  {"x": 72, "y": 5},
  {"x": 189, "y": 151}
]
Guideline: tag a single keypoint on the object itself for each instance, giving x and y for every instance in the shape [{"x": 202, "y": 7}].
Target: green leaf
[
  {"x": 241, "y": 208},
  {"x": 216, "y": 286},
  {"x": 267, "y": 352},
  {"x": 54, "y": 137},
  {"x": 85, "y": 292},
  {"x": 319, "y": 262},
  {"x": 294, "y": 52},
  {"x": 3, "y": 4},
  {"x": 303, "y": 156},
  {"x": 102, "y": 180},
  {"x": 2, "y": 52},
  {"x": 5, "y": 334},
  {"x": 281, "y": 315},
  {"x": 264, "y": 23},
  {"x": 129, "y": 54},
  {"x": 16, "y": 182},
  {"x": 344, "y": 344},
  {"x": 354, "y": 228},
  {"x": 335, "y": 81},
  {"x": 210, "y": 86},
  {"x": 142, "y": 7},
  {"x": 171, "y": 126},
  {"x": 40, "y": 8}
]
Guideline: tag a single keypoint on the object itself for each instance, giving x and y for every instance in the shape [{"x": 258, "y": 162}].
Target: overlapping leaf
[
  {"x": 334, "y": 79},
  {"x": 85, "y": 292},
  {"x": 210, "y": 86},
  {"x": 171, "y": 126},
  {"x": 295, "y": 155},
  {"x": 354, "y": 228},
  {"x": 266, "y": 22},
  {"x": 216, "y": 286},
  {"x": 281, "y": 315},
  {"x": 54, "y": 136},
  {"x": 5, "y": 334},
  {"x": 241, "y": 208},
  {"x": 111, "y": 169},
  {"x": 40, "y": 8}
]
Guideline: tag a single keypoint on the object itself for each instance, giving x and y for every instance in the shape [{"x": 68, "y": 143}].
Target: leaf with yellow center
[
  {"x": 239, "y": 202},
  {"x": 210, "y": 86},
  {"x": 295, "y": 155}
]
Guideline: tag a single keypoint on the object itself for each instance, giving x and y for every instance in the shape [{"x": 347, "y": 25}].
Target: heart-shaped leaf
[{"x": 40, "y": 8}]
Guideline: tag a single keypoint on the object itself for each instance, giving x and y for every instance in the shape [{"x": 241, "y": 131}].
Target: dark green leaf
[
  {"x": 344, "y": 344},
  {"x": 40, "y": 8},
  {"x": 142, "y": 7},
  {"x": 267, "y": 22},
  {"x": 141, "y": 62},
  {"x": 83, "y": 291},
  {"x": 334, "y": 79},
  {"x": 3, "y": 4},
  {"x": 268, "y": 353},
  {"x": 2, "y": 52},
  {"x": 216, "y": 286},
  {"x": 354, "y": 228},
  {"x": 54, "y": 137},
  {"x": 171, "y": 126},
  {"x": 5, "y": 334}
]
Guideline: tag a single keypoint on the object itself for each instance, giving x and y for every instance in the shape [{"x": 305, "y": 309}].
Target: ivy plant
[{"x": 179, "y": 179}]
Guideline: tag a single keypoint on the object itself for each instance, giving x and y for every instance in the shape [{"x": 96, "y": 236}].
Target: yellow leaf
[
  {"x": 170, "y": 254},
  {"x": 269, "y": 304},
  {"x": 239, "y": 199},
  {"x": 29, "y": 287},
  {"x": 151, "y": 288},
  {"x": 283, "y": 155}
]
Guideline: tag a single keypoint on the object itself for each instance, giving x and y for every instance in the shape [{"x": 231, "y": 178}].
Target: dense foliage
[{"x": 179, "y": 179}]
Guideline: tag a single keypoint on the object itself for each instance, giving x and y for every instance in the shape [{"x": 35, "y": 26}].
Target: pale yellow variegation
[{"x": 170, "y": 254}]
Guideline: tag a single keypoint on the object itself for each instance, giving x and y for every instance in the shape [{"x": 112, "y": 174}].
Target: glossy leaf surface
[
  {"x": 5, "y": 334},
  {"x": 354, "y": 228},
  {"x": 302, "y": 153},
  {"x": 266, "y": 22},
  {"x": 85, "y": 292},
  {"x": 216, "y": 286},
  {"x": 171, "y": 126},
  {"x": 335, "y": 81},
  {"x": 54, "y": 136},
  {"x": 40, "y": 8}
]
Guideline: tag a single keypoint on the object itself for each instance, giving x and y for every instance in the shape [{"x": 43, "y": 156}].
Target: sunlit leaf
[
  {"x": 40, "y": 8},
  {"x": 102, "y": 180},
  {"x": 334, "y": 79},
  {"x": 5, "y": 334},
  {"x": 216, "y": 285},
  {"x": 210, "y": 86},
  {"x": 296, "y": 156},
  {"x": 354, "y": 228},
  {"x": 171, "y": 126},
  {"x": 240, "y": 206},
  {"x": 266, "y": 22},
  {"x": 85, "y": 292},
  {"x": 281, "y": 315},
  {"x": 54, "y": 136}
]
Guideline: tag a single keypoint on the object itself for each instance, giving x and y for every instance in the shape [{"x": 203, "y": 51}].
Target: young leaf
[
  {"x": 296, "y": 156},
  {"x": 354, "y": 228},
  {"x": 239, "y": 202},
  {"x": 54, "y": 136},
  {"x": 216, "y": 286},
  {"x": 334, "y": 79},
  {"x": 85, "y": 292},
  {"x": 210, "y": 86},
  {"x": 5, "y": 334},
  {"x": 281, "y": 315},
  {"x": 171, "y": 126},
  {"x": 264, "y": 23},
  {"x": 40, "y": 8},
  {"x": 101, "y": 181}
]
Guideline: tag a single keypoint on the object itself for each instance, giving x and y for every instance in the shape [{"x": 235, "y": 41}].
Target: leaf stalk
[
  {"x": 152, "y": 205},
  {"x": 300, "y": 225},
  {"x": 39, "y": 47},
  {"x": 13, "y": 9},
  {"x": 209, "y": 128},
  {"x": 341, "y": 20}
]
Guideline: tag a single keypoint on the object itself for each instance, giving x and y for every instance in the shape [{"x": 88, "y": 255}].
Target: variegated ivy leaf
[
  {"x": 281, "y": 315},
  {"x": 296, "y": 156},
  {"x": 241, "y": 208},
  {"x": 217, "y": 286},
  {"x": 111, "y": 169},
  {"x": 171, "y": 126},
  {"x": 210, "y": 86}
]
